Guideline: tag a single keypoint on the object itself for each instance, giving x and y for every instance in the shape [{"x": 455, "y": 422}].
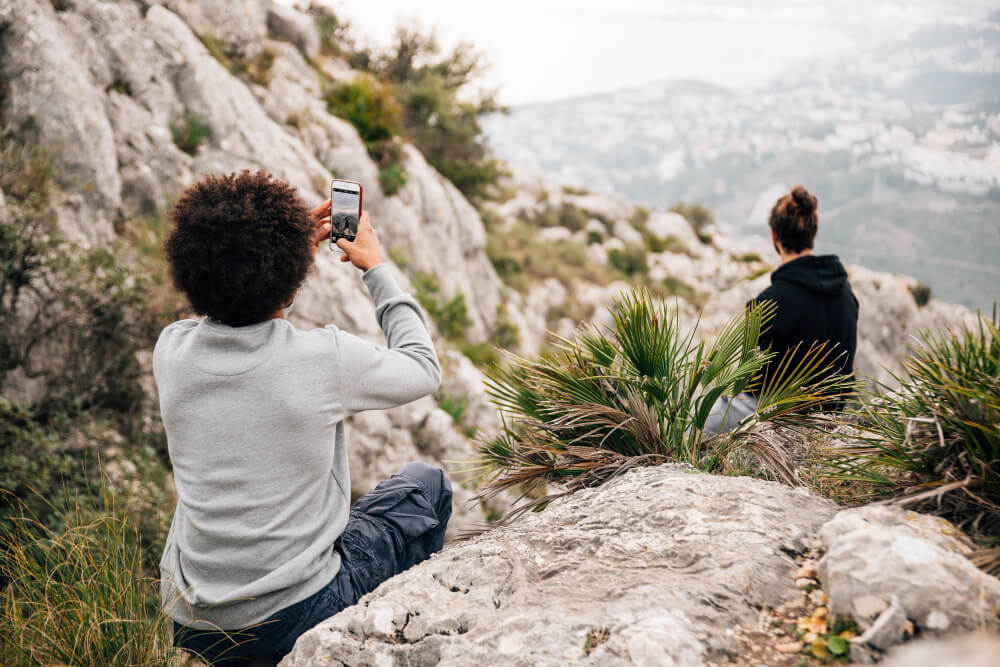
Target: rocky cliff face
[{"x": 107, "y": 83}]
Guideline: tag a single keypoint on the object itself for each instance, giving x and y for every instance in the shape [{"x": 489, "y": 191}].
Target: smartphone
[{"x": 345, "y": 211}]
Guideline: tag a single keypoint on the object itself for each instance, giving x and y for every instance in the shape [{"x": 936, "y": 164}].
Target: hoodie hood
[{"x": 820, "y": 274}]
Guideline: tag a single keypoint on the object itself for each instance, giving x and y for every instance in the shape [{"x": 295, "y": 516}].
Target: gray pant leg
[{"x": 727, "y": 413}]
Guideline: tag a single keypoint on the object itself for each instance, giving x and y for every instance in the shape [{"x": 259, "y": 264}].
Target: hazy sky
[{"x": 548, "y": 49}]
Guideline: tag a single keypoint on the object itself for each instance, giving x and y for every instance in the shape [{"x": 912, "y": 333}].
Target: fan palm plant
[
  {"x": 640, "y": 393},
  {"x": 933, "y": 443}
]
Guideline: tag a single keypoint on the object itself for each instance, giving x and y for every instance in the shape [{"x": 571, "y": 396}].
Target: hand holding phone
[
  {"x": 345, "y": 211},
  {"x": 364, "y": 252}
]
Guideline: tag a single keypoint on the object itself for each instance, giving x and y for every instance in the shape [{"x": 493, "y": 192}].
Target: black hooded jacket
[{"x": 815, "y": 303}]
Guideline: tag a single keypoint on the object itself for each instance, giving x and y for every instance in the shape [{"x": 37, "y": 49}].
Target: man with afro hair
[{"x": 265, "y": 542}]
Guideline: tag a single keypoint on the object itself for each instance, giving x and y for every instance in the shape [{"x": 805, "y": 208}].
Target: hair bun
[{"x": 804, "y": 200}]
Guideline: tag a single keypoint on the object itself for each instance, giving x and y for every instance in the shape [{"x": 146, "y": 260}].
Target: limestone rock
[
  {"x": 664, "y": 224},
  {"x": 240, "y": 25},
  {"x": 294, "y": 26},
  {"x": 912, "y": 562},
  {"x": 654, "y": 568},
  {"x": 47, "y": 80},
  {"x": 627, "y": 233},
  {"x": 980, "y": 650}
]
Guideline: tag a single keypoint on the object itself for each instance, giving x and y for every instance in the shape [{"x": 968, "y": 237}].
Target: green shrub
[
  {"x": 748, "y": 257},
  {"x": 698, "y": 215},
  {"x": 640, "y": 394},
  {"x": 392, "y": 178},
  {"x": 26, "y": 169},
  {"x": 505, "y": 333},
  {"x": 674, "y": 286},
  {"x": 70, "y": 319},
  {"x": 933, "y": 442},
  {"x": 453, "y": 405},
  {"x": 190, "y": 132},
  {"x": 77, "y": 594},
  {"x": 921, "y": 294},
  {"x": 482, "y": 354},
  {"x": 371, "y": 107},
  {"x": 568, "y": 215},
  {"x": 451, "y": 316},
  {"x": 670, "y": 244},
  {"x": 368, "y": 105},
  {"x": 630, "y": 260},
  {"x": 440, "y": 121},
  {"x": 639, "y": 217}
]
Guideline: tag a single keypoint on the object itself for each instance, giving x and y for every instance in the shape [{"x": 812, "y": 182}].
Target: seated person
[
  {"x": 264, "y": 542},
  {"x": 814, "y": 303}
]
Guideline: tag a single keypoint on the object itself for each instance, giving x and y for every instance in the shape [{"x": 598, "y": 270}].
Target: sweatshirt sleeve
[{"x": 375, "y": 377}]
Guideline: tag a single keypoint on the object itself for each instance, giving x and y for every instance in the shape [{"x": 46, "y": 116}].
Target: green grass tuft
[
  {"x": 190, "y": 132},
  {"x": 77, "y": 595},
  {"x": 933, "y": 443}
]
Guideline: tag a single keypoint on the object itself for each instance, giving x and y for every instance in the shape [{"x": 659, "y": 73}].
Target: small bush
[
  {"x": 640, "y": 394},
  {"x": 451, "y": 316},
  {"x": 71, "y": 320},
  {"x": 670, "y": 244},
  {"x": 921, "y": 294},
  {"x": 568, "y": 215},
  {"x": 368, "y": 105},
  {"x": 77, "y": 595},
  {"x": 631, "y": 260},
  {"x": 190, "y": 132},
  {"x": 698, "y": 215},
  {"x": 748, "y": 257},
  {"x": 453, "y": 405},
  {"x": 933, "y": 443},
  {"x": 574, "y": 191},
  {"x": 673, "y": 286},
  {"x": 392, "y": 178},
  {"x": 371, "y": 107},
  {"x": 639, "y": 217},
  {"x": 26, "y": 169},
  {"x": 483, "y": 355},
  {"x": 440, "y": 117},
  {"x": 505, "y": 333}
]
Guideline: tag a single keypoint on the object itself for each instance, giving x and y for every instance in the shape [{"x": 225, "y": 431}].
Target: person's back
[
  {"x": 264, "y": 542},
  {"x": 813, "y": 306},
  {"x": 814, "y": 301}
]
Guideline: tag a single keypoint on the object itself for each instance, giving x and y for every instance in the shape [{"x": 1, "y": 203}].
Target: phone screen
[{"x": 345, "y": 210}]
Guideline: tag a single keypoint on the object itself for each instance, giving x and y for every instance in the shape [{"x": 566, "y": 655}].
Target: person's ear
[{"x": 774, "y": 240}]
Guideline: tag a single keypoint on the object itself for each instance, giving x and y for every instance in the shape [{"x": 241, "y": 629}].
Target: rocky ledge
[{"x": 663, "y": 566}]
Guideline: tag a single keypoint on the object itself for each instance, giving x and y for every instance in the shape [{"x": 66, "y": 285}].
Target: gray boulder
[
  {"x": 658, "y": 567},
  {"x": 979, "y": 650},
  {"x": 886, "y": 567},
  {"x": 293, "y": 26}
]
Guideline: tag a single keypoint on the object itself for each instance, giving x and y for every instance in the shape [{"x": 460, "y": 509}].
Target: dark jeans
[{"x": 391, "y": 528}]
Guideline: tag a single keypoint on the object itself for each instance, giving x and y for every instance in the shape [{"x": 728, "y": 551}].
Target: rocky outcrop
[
  {"x": 668, "y": 566},
  {"x": 979, "y": 650},
  {"x": 106, "y": 84},
  {"x": 898, "y": 573},
  {"x": 658, "y": 567}
]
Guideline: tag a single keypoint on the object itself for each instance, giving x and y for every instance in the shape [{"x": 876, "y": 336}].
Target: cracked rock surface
[{"x": 657, "y": 567}]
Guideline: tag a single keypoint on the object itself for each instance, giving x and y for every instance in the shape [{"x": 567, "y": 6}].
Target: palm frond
[{"x": 639, "y": 393}]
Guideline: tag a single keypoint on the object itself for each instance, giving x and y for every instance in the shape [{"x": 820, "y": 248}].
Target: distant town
[{"x": 902, "y": 144}]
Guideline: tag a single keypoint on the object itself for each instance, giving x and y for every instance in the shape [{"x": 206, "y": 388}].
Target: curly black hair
[
  {"x": 240, "y": 246},
  {"x": 794, "y": 219}
]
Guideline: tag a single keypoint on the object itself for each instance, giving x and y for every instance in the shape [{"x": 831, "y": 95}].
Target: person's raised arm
[{"x": 376, "y": 377}]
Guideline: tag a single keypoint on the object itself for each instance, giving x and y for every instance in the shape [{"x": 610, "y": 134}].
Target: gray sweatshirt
[{"x": 254, "y": 418}]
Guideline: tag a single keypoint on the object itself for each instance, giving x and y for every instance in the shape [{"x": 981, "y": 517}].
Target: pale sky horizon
[{"x": 542, "y": 50}]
